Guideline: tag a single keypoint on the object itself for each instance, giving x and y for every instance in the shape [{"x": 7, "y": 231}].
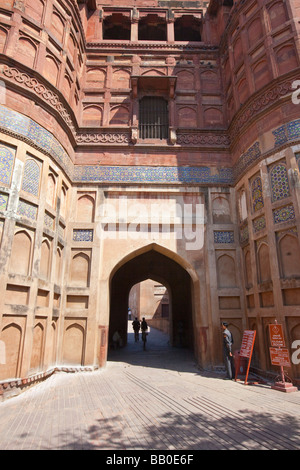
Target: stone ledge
[{"x": 13, "y": 387}]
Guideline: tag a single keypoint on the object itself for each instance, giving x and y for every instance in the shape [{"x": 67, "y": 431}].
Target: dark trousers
[{"x": 229, "y": 366}]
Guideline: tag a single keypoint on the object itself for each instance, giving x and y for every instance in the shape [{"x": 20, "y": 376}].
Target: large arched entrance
[{"x": 159, "y": 267}]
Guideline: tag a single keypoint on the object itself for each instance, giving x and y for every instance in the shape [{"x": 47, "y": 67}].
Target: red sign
[
  {"x": 280, "y": 357},
  {"x": 247, "y": 343},
  {"x": 276, "y": 336}
]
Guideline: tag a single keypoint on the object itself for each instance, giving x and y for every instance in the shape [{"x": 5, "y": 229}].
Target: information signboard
[
  {"x": 276, "y": 336},
  {"x": 247, "y": 343},
  {"x": 280, "y": 357},
  {"x": 246, "y": 350}
]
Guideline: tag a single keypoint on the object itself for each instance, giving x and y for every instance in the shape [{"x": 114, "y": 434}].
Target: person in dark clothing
[
  {"x": 136, "y": 328},
  {"x": 144, "y": 328},
  {"x": 227, "y": 352}
]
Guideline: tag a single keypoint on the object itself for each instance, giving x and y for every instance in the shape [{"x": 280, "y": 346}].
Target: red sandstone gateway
[{"x": 120, "y": 123}]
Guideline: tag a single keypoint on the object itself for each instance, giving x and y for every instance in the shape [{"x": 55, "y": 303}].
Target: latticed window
[{"x": 153, "y": 118}]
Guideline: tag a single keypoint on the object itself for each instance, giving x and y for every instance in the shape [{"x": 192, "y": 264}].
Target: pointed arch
[
  {"x": 20, "y": 258},
  {"x": 85, "y": 208},
  {"x": 73, "y": 345},
  {"x": 37, "y": 347},
  {"x": 80, "y": 270},
  {"x": 45, "y": 259},
  {"x": 264, "y": 269},
  {"x": 226, "y": 271},
  {"x": 289, "y": 251},
  {"x": 11, "y": 336}
]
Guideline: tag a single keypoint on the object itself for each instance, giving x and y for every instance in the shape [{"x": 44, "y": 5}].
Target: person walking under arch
[
  {"x": 144, "y": 328},
  {"x": 136, "y": 328}
]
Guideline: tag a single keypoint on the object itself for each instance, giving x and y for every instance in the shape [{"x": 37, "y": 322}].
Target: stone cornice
[{"x": 140, "y": 46}]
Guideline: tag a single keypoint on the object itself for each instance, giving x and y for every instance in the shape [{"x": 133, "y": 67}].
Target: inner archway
[
  {"x": 150, "y": 300},
  {"x": 166, "y": 271}
]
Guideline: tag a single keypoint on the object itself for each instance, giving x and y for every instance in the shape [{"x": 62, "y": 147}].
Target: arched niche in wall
[
  {"x": 3, "y": 39},
  {"x": 261, "y": 74},
  {"x": 289, "y": 255},
  {"x": 85, "y": 208},
  {"x": 187, "y": 117},
  {"x": 45, "y": 263},
  {"x": 243, "y": 90},
  {"x": 237, "y": 51},
  {"x": 92, "y": 116},
  {"x": 248, "y": 268},
  {"x": 67, "y": 86},
  {"x": 121, "y": 79},
  {"x": 221, "y": 210},
  {"x": 80, "y": 269},
  {"x": 58, "y": 265},
  {"x": 263, "y": 257},
  {"x": 210, "y": 81},
  {"x": 58, "y": 25},
  {"x": 73, "y": 344},
  {"x": 26, "y": 51},
  {"x": 11, "y": 336},
  {"x": 63, "y": 201},
  {"x": 255, "y": 31},
  {"x": 226, "y": 271},
  {"x": 95, "y": 77},
  {"x": 213, "y": 116},
  {"x": 35, "y": 10},
  {"x": 51, "y": 190},
  {"x": 20, "y": 258},
  {"x": 119, "y": 116},
  {"x": 185, "y": 80},
  {"x": 242, "y": 204},
  {"x": 277, "y": 14},
  {"x": 51, "y": 68},
  {"x": 286, "y": 58},
  {"x": 37, "y": 347}
]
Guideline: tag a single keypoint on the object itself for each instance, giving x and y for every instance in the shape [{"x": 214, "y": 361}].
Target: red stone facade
[{"x": 160, "y": 104}]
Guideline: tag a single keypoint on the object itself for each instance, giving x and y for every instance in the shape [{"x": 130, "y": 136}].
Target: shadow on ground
[
  {"x": 195, "y": 432},
  {"x": 158, "y": 353}
]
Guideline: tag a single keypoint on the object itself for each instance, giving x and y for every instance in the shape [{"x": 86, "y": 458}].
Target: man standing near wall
[{"x": 227, "y": 352}]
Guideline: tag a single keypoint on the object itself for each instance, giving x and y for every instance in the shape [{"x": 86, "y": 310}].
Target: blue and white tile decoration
[
  {"x": 284, "y": 214},
  {"x": 83, "y": 235},
  {"x": 7, "y": 156},
  {"x": 25, "y": 209},
  {"x": 223, "y": 236},
  {"x": 3, "y": 202},
  {"x": 37, "y": 136},
  {"x": 31, "y": 177}
]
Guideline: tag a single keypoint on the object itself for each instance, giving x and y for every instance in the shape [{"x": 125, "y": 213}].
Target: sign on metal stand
[
  {"x": 246, "y": 351},
  {"x": 280, "y": 357}
]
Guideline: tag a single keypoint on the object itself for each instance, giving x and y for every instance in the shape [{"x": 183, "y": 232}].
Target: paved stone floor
[{"x": 154, "y": 400}]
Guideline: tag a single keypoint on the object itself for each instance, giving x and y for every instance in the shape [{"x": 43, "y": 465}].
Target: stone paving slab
[{"x": 149, "y": 400}]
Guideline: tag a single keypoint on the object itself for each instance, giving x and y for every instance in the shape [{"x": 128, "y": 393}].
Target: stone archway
[{"x": 158, "y": 266}]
